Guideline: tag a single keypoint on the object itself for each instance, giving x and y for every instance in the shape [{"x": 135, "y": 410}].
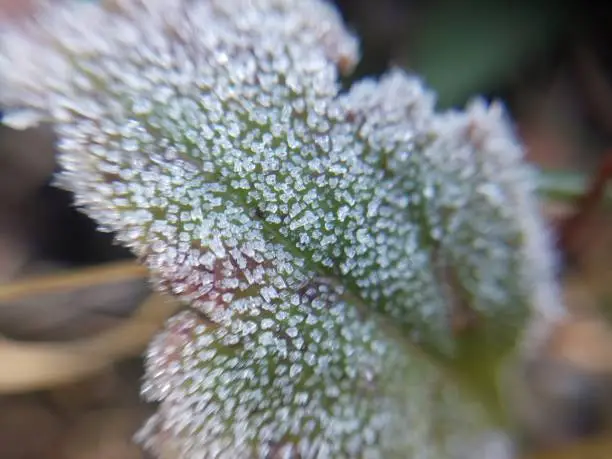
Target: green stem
[{"x": 565, "y": 185}]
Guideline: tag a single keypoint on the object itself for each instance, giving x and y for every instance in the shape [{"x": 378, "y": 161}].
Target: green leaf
[
  {"x": 355, "y": 265},
  {"x": 463, "y": 48}
]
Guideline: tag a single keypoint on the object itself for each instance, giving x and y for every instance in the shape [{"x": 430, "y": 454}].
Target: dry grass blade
[
  {"x": 592, "y": 448},
  {"x": 31, "y": 366},
  {"x": 72, "y": 280}
]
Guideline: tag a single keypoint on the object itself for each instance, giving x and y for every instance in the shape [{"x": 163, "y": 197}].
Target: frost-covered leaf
[
  {"x": 333, "y": 386},
  {"x": 335, "y": 249}
]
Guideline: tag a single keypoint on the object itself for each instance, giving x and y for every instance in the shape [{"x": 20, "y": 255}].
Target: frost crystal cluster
[{"x": 331, "y": 246}]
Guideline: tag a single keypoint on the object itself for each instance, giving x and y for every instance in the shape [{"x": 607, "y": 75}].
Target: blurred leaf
[{"x": 463, "y": 48}]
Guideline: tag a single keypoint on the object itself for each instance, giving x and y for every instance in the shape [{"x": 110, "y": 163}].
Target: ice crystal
[{"x": 312, "y": 232}]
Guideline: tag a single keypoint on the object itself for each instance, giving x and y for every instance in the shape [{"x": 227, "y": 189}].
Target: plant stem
[{"x": 565, "y": 185}]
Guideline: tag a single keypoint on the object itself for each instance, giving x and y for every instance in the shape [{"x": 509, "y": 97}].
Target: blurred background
[{"x": 550, "y": 62}]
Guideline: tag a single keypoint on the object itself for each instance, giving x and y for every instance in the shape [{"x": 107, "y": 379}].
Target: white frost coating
[
  {"x": 211, "y": 136},
  {"x": 346, "y": 391}
]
